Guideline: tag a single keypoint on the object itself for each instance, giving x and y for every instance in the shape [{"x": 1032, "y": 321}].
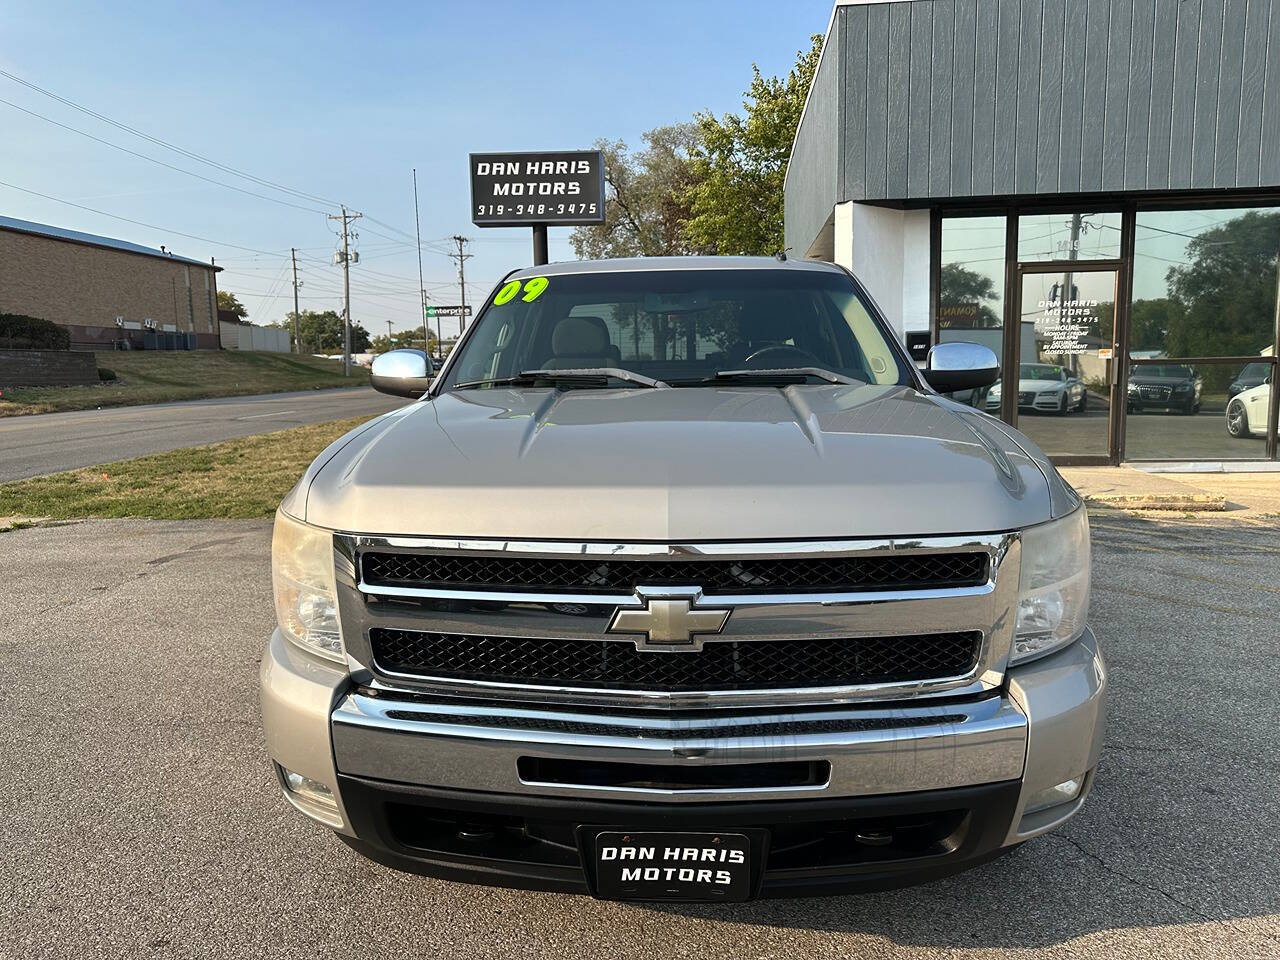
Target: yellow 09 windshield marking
[
  {"x": 507, "y": 293},
  {"x": 533, "y": 288}
]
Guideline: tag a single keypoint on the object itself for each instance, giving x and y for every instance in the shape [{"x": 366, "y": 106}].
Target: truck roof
[{"x": 628, "y": 264}]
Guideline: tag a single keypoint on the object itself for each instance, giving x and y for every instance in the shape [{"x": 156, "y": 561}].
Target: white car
[
  {"x": 1247, "y": 412},
  {"x": 1046, "y": 387}
]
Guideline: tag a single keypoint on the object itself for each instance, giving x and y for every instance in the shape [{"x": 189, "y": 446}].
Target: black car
[
  {"x": 1253, "y": 375},
  {"x": 1172, "y": 386}
]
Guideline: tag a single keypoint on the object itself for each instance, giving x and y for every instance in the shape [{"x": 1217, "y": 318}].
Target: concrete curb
[{"x": 1182, "y": 502}]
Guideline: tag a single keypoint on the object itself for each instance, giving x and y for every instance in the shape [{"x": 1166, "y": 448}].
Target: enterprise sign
[{"x": 520, "y": 189}]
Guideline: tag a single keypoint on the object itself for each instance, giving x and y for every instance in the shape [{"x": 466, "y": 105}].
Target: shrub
[
  {"x": 18, "y": 332},
  {"x": 106, "y": 375}
]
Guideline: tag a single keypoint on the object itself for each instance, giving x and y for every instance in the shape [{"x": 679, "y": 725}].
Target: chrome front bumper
[{"x": 1043, "y": 727}]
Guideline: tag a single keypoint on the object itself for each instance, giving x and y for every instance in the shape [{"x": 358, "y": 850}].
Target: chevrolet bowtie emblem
[{"x": 669, "y": 619}]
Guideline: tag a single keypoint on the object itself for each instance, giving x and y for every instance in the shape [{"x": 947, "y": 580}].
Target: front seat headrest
[{"x": 580, "y": 337}]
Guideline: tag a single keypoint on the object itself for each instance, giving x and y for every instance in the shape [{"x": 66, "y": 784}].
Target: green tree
[
  {"x": 960, "y": 285},
  {"x": 229, "y": 301},
  {"x": 739, "y": 163},
  {"x": 1149, "y": 322},
  {"x": 402, "y": 340},
  {"x": 1226, "y": 294},
  {"x": 321, "y": 332},
  {"x": 646, "y": 202}
]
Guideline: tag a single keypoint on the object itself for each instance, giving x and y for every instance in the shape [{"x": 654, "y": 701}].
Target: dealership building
[
  {"x": 1089, "y": 187},
  {"x": 107, "y": 293}
]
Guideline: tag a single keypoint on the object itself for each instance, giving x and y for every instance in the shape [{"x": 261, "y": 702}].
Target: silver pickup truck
[{"x": 681, "y": 582}]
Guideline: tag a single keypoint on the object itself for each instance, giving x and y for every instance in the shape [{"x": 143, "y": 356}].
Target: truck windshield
[{"x": 681, "y": 327}]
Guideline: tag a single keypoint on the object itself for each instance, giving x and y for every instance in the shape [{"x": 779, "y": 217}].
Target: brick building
[{"x": 104, "y": 290}]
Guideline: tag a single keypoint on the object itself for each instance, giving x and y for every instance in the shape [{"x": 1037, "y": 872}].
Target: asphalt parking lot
[
  {"x": 140, "y": 818},
  {"x": 1150, "y": 434}
]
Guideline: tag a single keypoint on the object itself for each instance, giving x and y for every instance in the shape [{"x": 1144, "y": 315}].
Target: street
[
  {"x": 141, "y": 817},
  {"x": 51, "y": 442}
]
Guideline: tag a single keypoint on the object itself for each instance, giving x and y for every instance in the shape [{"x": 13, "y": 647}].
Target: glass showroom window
[
  {"x": 1068, "y": 236},
  {"x": 971, "y": 288},
  {"x": 1204, "y": 287}
]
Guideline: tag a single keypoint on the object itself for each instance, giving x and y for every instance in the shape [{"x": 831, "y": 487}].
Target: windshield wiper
[
  {"x": 795, "y": 374},
  {"x": 579, "y": 375}
]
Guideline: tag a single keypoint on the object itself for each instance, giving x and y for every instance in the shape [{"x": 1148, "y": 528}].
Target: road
[
  {"x": 50, "y": 442},
  {"x": 141, "y": 818}
]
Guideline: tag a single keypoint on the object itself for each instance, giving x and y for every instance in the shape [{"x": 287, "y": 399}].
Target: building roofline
[{"x": 14, "y": 225}]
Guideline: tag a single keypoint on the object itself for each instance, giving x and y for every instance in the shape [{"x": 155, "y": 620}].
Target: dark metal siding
[
  {"x": 814, "y": 175},
  {"x": 973, "y": 98}
]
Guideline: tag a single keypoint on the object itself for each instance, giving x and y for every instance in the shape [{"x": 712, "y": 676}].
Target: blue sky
[{"x": 341, "y": 100}]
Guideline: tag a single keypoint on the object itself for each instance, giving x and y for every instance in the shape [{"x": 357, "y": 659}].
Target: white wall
[{"x": 888, "y": 250}]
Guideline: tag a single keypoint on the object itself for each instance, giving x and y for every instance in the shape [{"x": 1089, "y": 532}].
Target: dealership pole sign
[{"x": 537, "y": 190}]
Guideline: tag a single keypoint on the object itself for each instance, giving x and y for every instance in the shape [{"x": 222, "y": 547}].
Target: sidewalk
[{"x": 1242, "y": 495}]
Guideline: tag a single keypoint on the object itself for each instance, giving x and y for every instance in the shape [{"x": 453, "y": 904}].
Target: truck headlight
[
  {"x": 305, "y": 595},
  {"x": 1053, "y": 589}
]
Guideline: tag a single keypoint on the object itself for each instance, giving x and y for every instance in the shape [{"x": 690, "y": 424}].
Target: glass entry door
[{"x": 1061, "y": 390}]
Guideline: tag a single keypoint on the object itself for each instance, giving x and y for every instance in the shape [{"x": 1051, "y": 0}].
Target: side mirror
[
  {"x": 961, "y": 366},
  {"x": 402, "y": 373}
]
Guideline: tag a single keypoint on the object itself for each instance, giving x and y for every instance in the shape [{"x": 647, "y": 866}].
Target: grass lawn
[
  {"x": 164, "y": 376},
  {"x": 240, "y": 478}
]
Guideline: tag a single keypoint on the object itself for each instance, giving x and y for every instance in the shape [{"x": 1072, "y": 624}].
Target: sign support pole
[{"x": 539, "y": 244}]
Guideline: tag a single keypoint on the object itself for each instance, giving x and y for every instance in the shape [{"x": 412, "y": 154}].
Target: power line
[
  {"x": 166, "y": 144},
  {"x": 408, "y": 236},
  {"x": 139, "y": 223},
  {"x": 143, "y": 156}
]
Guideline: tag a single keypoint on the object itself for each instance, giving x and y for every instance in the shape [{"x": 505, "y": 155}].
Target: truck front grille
[
  {"x": 919, "y": 571},
  {"x": 720, "y": 665}
]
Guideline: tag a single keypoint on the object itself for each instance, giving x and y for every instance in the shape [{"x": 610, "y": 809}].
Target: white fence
[{"x": 240, "y": 336}]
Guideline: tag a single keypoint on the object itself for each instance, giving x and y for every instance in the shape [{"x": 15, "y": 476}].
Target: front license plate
[{"x": 673, "y": 866}]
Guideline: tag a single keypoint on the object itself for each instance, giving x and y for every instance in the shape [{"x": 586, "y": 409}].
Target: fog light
[
  {"x": 1064, "y": 792},
  {"x": 311, "y": 797}
]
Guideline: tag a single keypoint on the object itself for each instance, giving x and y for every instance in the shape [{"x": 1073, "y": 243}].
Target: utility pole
[
  {"x": 422, "y": 287},
  {"x": 1069, "y": 281},
  {"x": 297, "y": 344},
  {"x": 346, "y": 219},
  {"x": 462, "y": 258},
  {"x": 389, "y": 334}
]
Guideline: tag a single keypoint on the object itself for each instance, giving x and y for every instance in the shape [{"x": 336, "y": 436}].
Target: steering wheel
[{"x": 782, "y": 351}]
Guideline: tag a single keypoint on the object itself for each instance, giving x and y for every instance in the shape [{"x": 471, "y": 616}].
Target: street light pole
[{"x": 422, "y": 287}]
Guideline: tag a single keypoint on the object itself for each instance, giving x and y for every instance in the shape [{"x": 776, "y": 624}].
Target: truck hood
[{"x": 685, "y": 464}]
